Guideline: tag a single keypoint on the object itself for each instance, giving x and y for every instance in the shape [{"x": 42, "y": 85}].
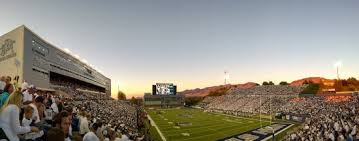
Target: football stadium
[{"x": 290, "y": 70}]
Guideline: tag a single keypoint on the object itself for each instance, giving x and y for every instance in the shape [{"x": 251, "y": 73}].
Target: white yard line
[{"x": 153, "y": 123}]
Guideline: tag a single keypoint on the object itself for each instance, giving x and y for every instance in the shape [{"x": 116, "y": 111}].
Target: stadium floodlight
[
  {"x": 338, "y": 65},
  {"x": 118, "y": 85},
  {"x": 226, "y": 77},
  {"x": 260, "y": 109}
]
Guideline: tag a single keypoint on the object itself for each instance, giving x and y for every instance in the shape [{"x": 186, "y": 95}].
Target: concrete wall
[{"x": 11, "y": 51}]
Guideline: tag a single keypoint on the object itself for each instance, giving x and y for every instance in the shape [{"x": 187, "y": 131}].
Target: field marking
[
  {"x": 222, "y": 132},
  {"x": 217, "y": 132},
  {"x": 255, "y": 119},
  {"x": 200, "y": 126},
  {"x": 212, "y": 126},
  {"x": 158, "y": 130},
  {"x": 213, "y": 123}
]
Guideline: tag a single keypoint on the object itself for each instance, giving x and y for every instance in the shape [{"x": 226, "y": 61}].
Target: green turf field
[{"x": 197, "y": 125}]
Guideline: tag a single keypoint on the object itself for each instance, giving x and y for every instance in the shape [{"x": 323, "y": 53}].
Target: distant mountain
[
  {"x": 205, "y": 91},
  {"x": 312, "y": 79}
]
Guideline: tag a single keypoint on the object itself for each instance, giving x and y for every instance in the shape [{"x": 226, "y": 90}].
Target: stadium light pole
[
  {"x": 270, "y": 109},
  {"x": 260, "y": 109},
  {"x": 118, "y": 86},
  {"x": 337, "y": 65},
  {"x": 226, "y": 76}
]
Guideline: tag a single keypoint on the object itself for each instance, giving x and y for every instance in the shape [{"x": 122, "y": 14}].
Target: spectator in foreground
[
  {"x": 63, "y": 122},
  {"x": 28, "y": 121},
  {"x": 6, "y": 93},
  {"x": 9, "y": 118}
]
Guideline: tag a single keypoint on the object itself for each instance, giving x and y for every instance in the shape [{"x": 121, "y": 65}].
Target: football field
[{"x": 195, "y": 125}]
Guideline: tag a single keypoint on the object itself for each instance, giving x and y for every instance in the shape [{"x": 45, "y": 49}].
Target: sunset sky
[{"x": 138, "y": 43}]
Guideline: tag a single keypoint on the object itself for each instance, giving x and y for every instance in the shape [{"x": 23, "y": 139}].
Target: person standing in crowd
[
  {"x": 84, "y": 123},
  {"x": 39, "y": 103},
  {"x": 91, "y": 136},
  {"x": 54, "y": 106},
  {"x": 28, "y": 94},
  {"x": 6, "y": 93},
  {"x": 27, "y": 97},
  {"x": 36, "y": 116},
  {"x": 9, "y": 118},
  {"x": 63, "y": 122},
  {"x": 24, "y": 86}
]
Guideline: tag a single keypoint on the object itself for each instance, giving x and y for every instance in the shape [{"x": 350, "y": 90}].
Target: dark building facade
[{"x": 28, "y": 56}]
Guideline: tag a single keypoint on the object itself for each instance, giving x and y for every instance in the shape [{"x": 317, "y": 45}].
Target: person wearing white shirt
[
  {"x": 84, "y": 124},
  {"x": 9, "y": 118},
  {"x": 24, "y": 86},
  {"x": 54, "y": 107},
  {"x": 26, "y": 121},
  {"x": 28, "y": 94},
  {"x": 91, "y": 136},
  {"x": 35, "y": 113}
]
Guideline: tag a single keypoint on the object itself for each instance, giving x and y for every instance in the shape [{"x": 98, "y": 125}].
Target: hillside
[{"x": 205, "y": 91}]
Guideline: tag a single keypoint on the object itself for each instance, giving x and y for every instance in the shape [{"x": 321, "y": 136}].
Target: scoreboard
[{"x": 164, "y": 89}]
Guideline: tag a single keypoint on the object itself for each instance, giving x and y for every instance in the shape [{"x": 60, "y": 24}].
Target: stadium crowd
[
  {"x": 249, "y": 101},
  {"x": 326, "y": 118},
  {"x": 27, "y": 114},
  {"x": 333, "y": 118}
]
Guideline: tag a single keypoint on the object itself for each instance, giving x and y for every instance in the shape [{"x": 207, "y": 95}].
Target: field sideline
[{"x": 195, "y": 125}]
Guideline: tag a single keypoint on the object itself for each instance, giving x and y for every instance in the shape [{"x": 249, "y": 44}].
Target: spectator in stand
[
  {"x": 28, "y": 121},
  {"x": 91, "y": 136},
  {"x": 6, "y": 93},
  {"x": 29, "y": 94},
  {"x": 62, "y": 121},
  {"x": 84, "y": 123},
  {"x": 39, "y": 103},
  {"x": 35, "y": 106},
  {"x": 24, "y": 86},
  {"x": 9, "y": 118}
]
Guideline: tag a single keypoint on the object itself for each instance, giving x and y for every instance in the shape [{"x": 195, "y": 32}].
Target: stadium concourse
[{"x": 81, "y": 114}]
